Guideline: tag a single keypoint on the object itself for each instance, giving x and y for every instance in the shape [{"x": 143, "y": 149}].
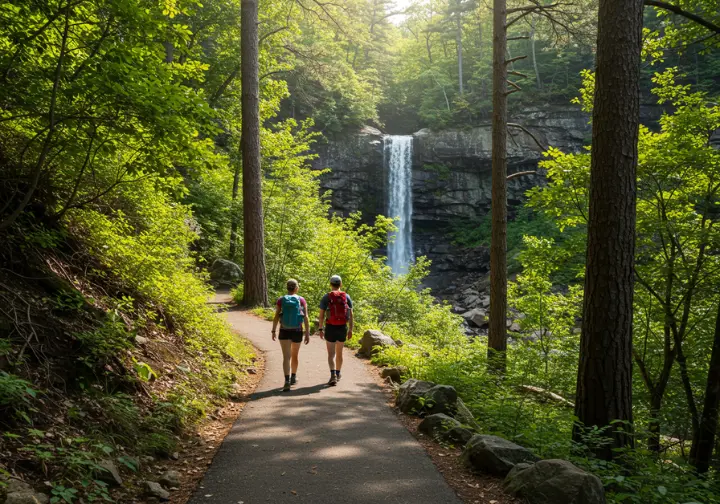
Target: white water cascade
[{"x": 398, "y": 160}]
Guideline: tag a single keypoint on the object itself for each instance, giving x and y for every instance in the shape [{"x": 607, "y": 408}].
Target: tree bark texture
[
  {"x": 604, "y": 385},
  {"x": 255, "y": 288},
  {"x": 234, "y": 218},
  {"x": 497, "y": 338},
  {"x": 704, "y": 438}
]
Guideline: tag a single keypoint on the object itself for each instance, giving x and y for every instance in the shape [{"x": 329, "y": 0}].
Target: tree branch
[
  {"x": 521, "y": 174},
  {"x": 528, "y": 133},
  {"x": 681, "y": 12},
  {"x": 516, "y": 58}
]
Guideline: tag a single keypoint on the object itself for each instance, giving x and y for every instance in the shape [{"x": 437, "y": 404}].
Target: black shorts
[
  {"x": 296, "y": 335},
  {"x": 334, "y": 333}
]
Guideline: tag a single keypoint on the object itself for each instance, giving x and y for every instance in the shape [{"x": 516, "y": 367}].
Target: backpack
[
  {"x": 338, "y": 308},
  {"x": 292, "y": 311}
]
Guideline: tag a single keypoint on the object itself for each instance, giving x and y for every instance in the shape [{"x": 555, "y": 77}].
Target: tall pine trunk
[
  {"x": 234, "y": 218},
  {"x": 704, "y": 437},
  {"x": 458, "y": 42},
  {"x": 497, "y": 338},
  {"x": 604, "y": 385},
  {"x": 255, "y": 288}
]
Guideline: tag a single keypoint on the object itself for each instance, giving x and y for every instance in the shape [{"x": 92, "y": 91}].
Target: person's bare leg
[
  {"x": 339, "y": 345},
  {"x": 285, "y": 345},
  {"x": 295, "y": 354},
  {"x": 331, "y": 355}
]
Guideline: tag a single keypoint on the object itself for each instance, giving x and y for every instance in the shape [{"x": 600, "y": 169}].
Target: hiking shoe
[
  {"x": 333, "y": 381},
  {"x": 293, "y": 380},
  {"x": 286, "y": 387},
  {"x": 337, "y": 376}
]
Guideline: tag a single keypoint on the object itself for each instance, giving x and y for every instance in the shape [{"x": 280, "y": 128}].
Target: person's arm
[
  {"x": 351, "y": 318},
  {"x": 275, "y": 321},
  {"x": 321, "y": 318},
  {"x": 306, "y": 321}
]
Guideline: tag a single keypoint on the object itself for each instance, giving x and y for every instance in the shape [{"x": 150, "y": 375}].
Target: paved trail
[{"x": 318, "y": 444}]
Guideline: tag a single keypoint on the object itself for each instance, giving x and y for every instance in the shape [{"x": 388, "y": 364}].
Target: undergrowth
[{"x": 114, "y": 355}]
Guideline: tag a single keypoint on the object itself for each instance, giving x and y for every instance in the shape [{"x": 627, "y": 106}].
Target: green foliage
[
  {"x": 107, "y": 341},
  {"x": 145, "y": 242},
  {"x": 526, "y": 222},
  {"x": 16, "y": 395}
]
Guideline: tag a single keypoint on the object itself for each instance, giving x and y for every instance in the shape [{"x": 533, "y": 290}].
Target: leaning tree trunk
[
  {"x": 604, "y": 385},
  {"x": 704, "y": 438},
  {"x": 255, "y": 288},
  {"x": 497, "y": 338}
]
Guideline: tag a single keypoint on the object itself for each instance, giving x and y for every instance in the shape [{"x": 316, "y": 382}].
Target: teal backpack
[{"x": 292, "y": 312}]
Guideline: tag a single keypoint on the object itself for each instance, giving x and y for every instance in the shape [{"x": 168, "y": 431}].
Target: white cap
[{"x": 335, "y": 280}]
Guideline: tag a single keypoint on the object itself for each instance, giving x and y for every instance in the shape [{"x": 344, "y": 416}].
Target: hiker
[
  {"x": 291, "y": 310},
  {"x": 338, "y": 326}
]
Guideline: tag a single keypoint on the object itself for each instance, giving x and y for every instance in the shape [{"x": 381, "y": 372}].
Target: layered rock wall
[{"x": 451, "y": 179}]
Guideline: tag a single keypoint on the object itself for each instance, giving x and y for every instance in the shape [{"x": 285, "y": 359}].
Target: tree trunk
[
  {"x": 497, "y": 338},
  {"x": 604, "y": 385},
  {"x": 458, "y": 41},
  {"x": 255, "y": 287},
  {"x": 534, "y": 59},
  {"x": 704, "y": 439},
  {"x": 234, "y": 217}
]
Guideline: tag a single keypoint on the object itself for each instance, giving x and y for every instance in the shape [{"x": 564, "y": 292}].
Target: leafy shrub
[
  {"x": 107, "y": 341},
  {"x": 15, "y": 392}
]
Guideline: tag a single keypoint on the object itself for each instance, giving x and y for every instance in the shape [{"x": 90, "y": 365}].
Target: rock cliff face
[{"x": 451, "y": 179}]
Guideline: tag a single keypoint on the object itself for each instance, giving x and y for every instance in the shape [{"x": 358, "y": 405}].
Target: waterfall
[{"x": 398, "y": 158}]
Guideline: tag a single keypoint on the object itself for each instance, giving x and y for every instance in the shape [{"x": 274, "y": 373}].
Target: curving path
[{"x": 317, "y": 444}]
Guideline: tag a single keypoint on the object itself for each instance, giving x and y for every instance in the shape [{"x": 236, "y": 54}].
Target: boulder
[
  {"x": 437, "y": 424},
  {"x": 141, "y": 340},
  {"x": 476, "y": 317},
  {"x": 514, "y": 327},
  {"x": 419, "y": 398},
  {"x": 465, "y": 416},
  {"x": 471, "y": 301},
  {"x": 372, "y": 339},
  {"x": 441, "y": 399},
  {"x": 155, "y": 490},
  {"x": 110, "y": 473},
  {"x": 553, "y": 481},
  {"x": 394, "y": 373},
  {"x": 224, "y": 272},
  {"x": 494, "y": 455},
  {"x": 457, "y": 435},
  {"x": 170, "y": 479},
  {"x": 411, "y": 395},
  {"x": 17, "y": 486},
  {"x": 26, "y": 498},
  {"x": 485, "y": 301}
]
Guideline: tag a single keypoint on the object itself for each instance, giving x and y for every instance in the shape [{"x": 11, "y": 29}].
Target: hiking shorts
[
  {"x": 335, "y": 333},
  {"x": 296, "y": 335}
]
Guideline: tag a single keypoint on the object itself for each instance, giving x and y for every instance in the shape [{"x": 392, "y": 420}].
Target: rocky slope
[{"x": 451, "y": 180}]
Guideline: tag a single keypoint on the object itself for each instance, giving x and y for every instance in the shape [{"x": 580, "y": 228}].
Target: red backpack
[{"x": 338, "y": 308}]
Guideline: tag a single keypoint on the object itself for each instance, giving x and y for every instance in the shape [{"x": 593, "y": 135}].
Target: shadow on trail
[
  {"x": 314, "y": 389},
  {"x": 307, "y": 445}
]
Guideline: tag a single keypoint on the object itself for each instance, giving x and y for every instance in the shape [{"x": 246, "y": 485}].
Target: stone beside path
[{"x": 318, "y": 444}]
